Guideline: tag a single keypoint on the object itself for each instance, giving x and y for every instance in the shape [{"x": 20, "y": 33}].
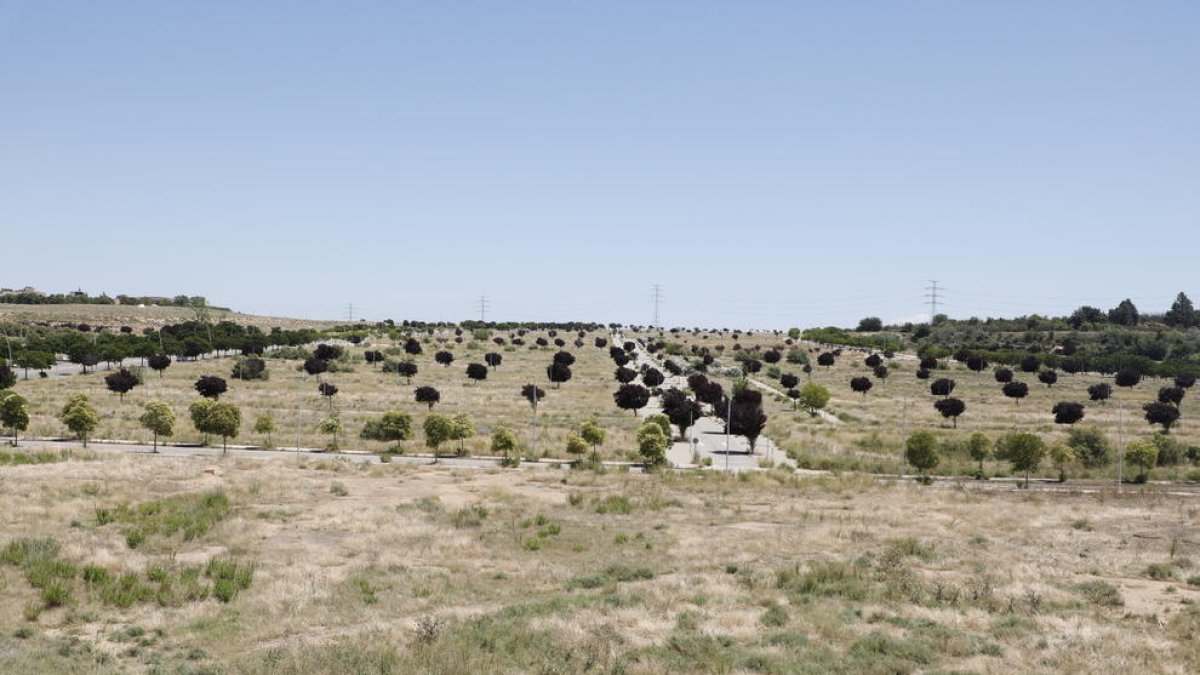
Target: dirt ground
[{"x": 394, "y": 568}]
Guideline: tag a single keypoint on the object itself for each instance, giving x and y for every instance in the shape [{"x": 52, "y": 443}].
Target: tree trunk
[{"x": 156, "y": 442}]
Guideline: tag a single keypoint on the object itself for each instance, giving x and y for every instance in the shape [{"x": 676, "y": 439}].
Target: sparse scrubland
[
  {"x": 323, "y": 566},
  {"x": 117, "y": 562}
]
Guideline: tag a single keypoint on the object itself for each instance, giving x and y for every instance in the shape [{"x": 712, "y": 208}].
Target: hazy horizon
[{"x": 774, "y": 165}]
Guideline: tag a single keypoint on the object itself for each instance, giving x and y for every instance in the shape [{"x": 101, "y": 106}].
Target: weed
[
  {"x": 615, "y": 504},
  {"x": 339, "y": 490},
  {"x": 613, "y": 574},
  {"x": 775, "y": 617},
  {"x": 1100, "y": 593},
  {"x": 1160, "y": 571}
]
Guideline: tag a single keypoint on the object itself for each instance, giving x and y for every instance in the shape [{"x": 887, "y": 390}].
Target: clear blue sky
[{"x": 769, "y": 163}]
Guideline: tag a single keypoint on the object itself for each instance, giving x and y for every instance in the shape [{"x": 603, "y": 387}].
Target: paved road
[{"x": 708, "y": 434}]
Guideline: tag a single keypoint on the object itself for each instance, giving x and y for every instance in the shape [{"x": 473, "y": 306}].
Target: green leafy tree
[
  {"x": 79, "y": 416},
  {"x": 1144, "y": 455},
  {"x": 225, "y": 420},
  {"x": 594, "y": 434},
  {"x": 1025, "y": 452},
  {"x": 1124, "y": 314},
  {"x": 652, "y": 443},
  {"x": 504, "y": 441},
  {"x": 1182, "y": 314},
  {"x": 920, "y": 450},
  {"x": 1063, "y": 455},
  {"x": 980, "y": 448},
  {"x": 35, "y": 359},
  {"x": 576, "y": 445},
  {"x": 813, "y": 397},
  {"x": 199, "y": 411},
  {"x": 663, "y": 421},
  {"x": 438, "y": 429},
  {"x": 1091, "y": 446},
  {"x": 158, "y": 418},
  {"x": 265, "y": 424},
  {"x": 332, "y": 426},
  {"x": 463, "y": 429},
  {"x": 392, "y": 426},
  {"x": 14, "y": 413}
]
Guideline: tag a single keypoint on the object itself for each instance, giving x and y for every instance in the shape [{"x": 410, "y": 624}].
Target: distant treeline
[
  {"x": 32, "y": 298},
  {"x": 1088, "y": 340}
]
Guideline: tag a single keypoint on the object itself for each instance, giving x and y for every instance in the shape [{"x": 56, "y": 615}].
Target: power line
[
  {"x": 656, "y": 297},
  {"x": 350, "y": 312},
  {"x": 483, "y": 307},
  {"x": 932, "y": 292}
]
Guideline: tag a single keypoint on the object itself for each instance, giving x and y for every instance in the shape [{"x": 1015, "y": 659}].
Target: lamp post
[{"x": 728, "y": 417}]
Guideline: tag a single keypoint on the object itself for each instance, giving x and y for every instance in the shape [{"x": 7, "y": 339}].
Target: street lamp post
[{"x": 728, "y": 417}]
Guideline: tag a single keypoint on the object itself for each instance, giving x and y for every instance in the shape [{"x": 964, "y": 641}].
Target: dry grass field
[
  {"x": 107, "y": 566},
  {"x": 872, "y": 429},
  {"x": 292, "y": 398}
]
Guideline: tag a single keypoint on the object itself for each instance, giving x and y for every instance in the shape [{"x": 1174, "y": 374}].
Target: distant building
[{"x": 30, "y": 290}]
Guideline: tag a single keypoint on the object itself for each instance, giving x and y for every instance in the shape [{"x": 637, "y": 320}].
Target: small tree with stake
[
  {"x": 406, "y": 369},
  {"x": 1161, "y": 413},
  {"x": 504, "y": 441},
  {"x": 1100, "y": 392},
  {"x": 1015, "y": 391},
  {"x": 951, "y": 408},
  {"x": 14, "y": 413},
  {"x": 980, "y": 448},
  {"x": 1003, "y": 375},
  {"x": 121, "y": 382},
  {"x": 533, "y": 394},
  {"x": 861, "y": 385},
  {"x": 625, "y": 375},
  {"x": 1048, "y": 378},
  {"x": 158, "y": 419},
  {"x": 493, "y": 359},
  {"x": 1067, "y": 412},
  {"x": 1025, "y": 451},
  {"x": 328, "y": 390},
  {"x": 594, "y": 434},
  {"x": 315, "y": 366},
  {"x": 942, "y": 387},
  {"x": 746, "y": 416},
  {"x": 558, "y": 373},
  {"x": 1172, "y": 395},
  {"x": 79, "y": 416},
  {"x": 1128, "y": 377},
  {"x": 632, "y": 397},
  {"x": 438, "y": 430},
  {"x": 158, "y": 363},
  {"x": 427, "y": 395},
  {"x": 477, "y": 372},
  {"x": 210, "y": 386},
  {"x": 920, "y": 450}
]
